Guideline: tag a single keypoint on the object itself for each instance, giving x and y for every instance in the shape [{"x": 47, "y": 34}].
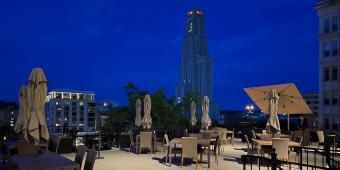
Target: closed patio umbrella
[
  {"x": 138, "y": 118},
  {"x": 37, "y": 128},
  {"x": 193, "y": 113},
  {"x": 290, "y": 100},
  {"x": 24, "y": 109},
  {"x": 147, "y": 120},
  {"x": 273, "y": 123},
  {"x": 206, "y": 122}
]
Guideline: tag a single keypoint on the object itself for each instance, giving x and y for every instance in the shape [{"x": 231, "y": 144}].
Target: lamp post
[{"x": 250, "y": 108}]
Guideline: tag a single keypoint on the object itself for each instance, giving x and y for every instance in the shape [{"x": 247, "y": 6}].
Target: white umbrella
[
  {"x": 147, "y": 120},
  {"x": 138, "y": 118},
  {"x": 273, "y": 121},
  {"x": 206, "y": 122},
  {"x": 193, "y": 113},
  {"x": 37, "y": 121},
  {"x": 24, "y": 109}
]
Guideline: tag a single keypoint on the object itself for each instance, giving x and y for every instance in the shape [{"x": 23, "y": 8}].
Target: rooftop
[
  {"x": 195, "y": 12},
  {"x": 72, "y": 91},
  {"x": 324, "y": 3}
]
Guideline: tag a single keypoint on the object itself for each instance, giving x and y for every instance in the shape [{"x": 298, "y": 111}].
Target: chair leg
[
  {"x": 182, "y": 161},
  {"x": 201, "y": 158},
  {"x": 196, "y": 162},
  {"x": 216, "y": 159}
]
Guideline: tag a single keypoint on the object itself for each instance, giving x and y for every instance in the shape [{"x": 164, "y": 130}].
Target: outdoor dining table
[
  {"x": 204, "y": 142},
  {"x": 46, "y": 161},
  {"x": 259, "y": 143}
]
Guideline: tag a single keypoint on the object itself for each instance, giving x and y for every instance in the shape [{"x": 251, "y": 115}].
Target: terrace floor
[{"x": 116, "y": 159}]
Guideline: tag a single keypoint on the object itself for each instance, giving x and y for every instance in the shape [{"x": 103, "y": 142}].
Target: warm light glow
[{"x": 250, "y": 108}]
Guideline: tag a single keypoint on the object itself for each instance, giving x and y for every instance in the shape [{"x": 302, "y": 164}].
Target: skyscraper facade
[
  {"x": 196, "y": 74},
  {"x": 196, "y": 64},
  {"x": 329, "y": 61}
]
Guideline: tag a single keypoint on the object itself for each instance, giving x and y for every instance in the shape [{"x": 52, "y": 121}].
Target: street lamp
[{"x": 250, "y": 108}]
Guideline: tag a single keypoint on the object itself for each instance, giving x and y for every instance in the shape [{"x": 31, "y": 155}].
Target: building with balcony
[
  {"x": 70, "y": 109},
  {"x": 328, "y": 12}
]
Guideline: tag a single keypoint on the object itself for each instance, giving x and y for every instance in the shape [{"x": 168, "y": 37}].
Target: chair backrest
[
  {"x": 299, "y": 139},
  {"x": 224, "y": 134},
  {"x": 166, "y": 139},
  {"x": 146, "y": 139},
  {"x": 206, "y": 135},
  {"x": 216, "y": 143},
  {"x": 321, "y": 136},
  {"x": 253, "y": 133},
  {"x": 281, "y": 147},
  {"x": 90, "y": 159},
  {"x": 248, "y": 144},
  {"x": 189, "y": 147},
  {"x": 131, "y": 136},
  {"x": 25, "y": 148},
  {"x": 81, "y": 150},
  {"x": 197, "y": 135}
]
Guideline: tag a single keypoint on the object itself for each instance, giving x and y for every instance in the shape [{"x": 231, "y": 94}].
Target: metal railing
[{"x": 314, "y": 159}]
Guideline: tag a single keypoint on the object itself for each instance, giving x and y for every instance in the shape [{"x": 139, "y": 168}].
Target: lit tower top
[{"x": 195, "y": 22}]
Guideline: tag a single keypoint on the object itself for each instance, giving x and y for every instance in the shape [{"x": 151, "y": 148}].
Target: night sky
[{"x": 100, "y": 45}]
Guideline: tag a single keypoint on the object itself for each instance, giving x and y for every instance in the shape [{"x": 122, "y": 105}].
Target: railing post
[
  {"x": 300, "y": 161},
  {"x": 274, "y": 160},
  {"x": 244, "y": 159}
]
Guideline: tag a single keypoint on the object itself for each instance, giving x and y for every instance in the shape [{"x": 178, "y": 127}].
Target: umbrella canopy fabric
[
  {"x": 147, "y": 120},
  {"x": 193, "y": 113},
  {"x": 138, "y": 118},
  {"x": 273, "y": 123},
  {"x": 206, "y": 122},
  {"x": 37, "y": 85},
  {"x": 290, "y": 99},
  {"x": 24, "y": 109}
]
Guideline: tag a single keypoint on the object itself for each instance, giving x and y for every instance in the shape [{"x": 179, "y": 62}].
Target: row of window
[
  {"x": 311, "y": 97},
  {"x": 331, "y": 48},
  {"x": 314, "y": 102},
  {"x": 331, "y": 97},
  {"x": 330, "y": 73},
  {"x": 331, "y": 24}
]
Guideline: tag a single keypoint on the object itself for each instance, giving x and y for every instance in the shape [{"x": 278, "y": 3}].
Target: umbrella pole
[{"x": 288, "y": 121}]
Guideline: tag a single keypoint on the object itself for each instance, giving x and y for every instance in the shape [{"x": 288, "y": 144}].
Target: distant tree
[
  {"x": 118, "y": 115},
  {"x": 164, "y": 110}
]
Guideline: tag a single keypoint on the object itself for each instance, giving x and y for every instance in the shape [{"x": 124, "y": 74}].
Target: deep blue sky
[{"x": 101, "y": 44}]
